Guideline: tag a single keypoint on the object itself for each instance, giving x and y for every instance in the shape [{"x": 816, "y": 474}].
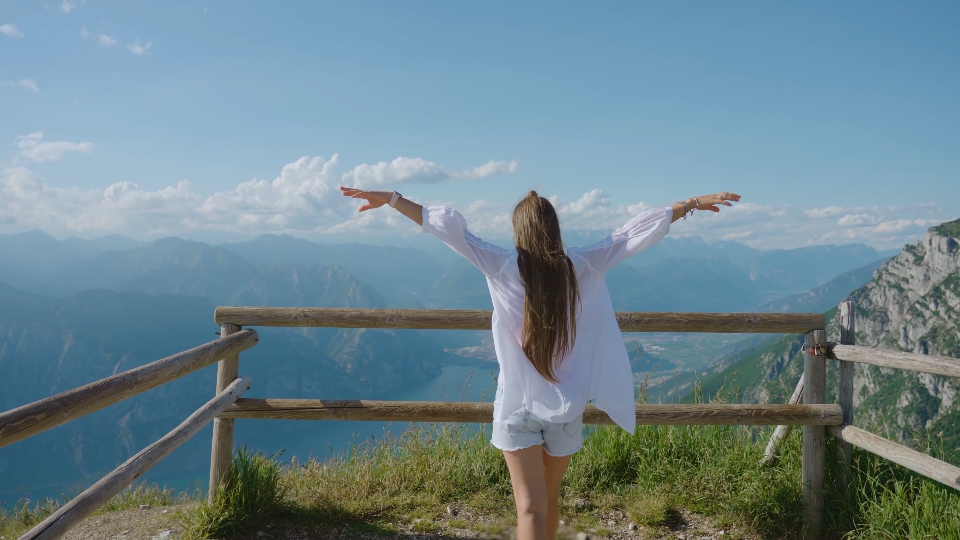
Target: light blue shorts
[{"x": 523, "y": 430}]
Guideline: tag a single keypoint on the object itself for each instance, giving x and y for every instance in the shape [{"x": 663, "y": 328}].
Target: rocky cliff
[{"x": 912, "y": 303}]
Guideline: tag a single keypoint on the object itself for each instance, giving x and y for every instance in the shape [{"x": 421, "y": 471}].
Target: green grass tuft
[{"x": 253, "y": 494}]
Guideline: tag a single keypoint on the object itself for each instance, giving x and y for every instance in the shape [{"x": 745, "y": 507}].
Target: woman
[{"x": 556, "y": 338}]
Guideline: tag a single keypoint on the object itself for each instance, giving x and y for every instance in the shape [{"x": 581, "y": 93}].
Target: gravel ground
[{"x": 165, "y": 523}]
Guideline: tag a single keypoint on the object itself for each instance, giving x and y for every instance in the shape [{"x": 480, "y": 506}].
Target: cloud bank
[{"x": 304, "y": 200}]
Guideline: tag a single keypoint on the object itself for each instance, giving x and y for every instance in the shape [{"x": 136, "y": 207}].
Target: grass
[{"x": 654, "y": 477}]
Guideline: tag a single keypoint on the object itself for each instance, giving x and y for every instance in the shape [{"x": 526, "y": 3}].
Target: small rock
[
  {"x": 146, "y": 506},
  {"x": 681, "y": 536},
  {"x": 164, "y": 535},
  {"x": 632, "y": 527},
  {"x": 581, "y": 504},
  {"x": 451, "y": 511},
  {"x": 563, "y": 522},
  {"x": 721, "y": 533},
  {"x": 418, "y": 520},
  {"x": 583, "y": 536},
  {"x": 163, "y": 511},
  {"x": 611, "y": 523},
  {"x": 259, "y": 533}
]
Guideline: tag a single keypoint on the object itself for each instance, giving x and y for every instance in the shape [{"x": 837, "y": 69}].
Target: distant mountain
[
  {"x": 401, "y": 274},
  {"x": 694, "y": 284},
  {"x": 292, "y": 284},
  {"x": 29, "y": 258},
  {"x": 683, "y": 247},
  {"x": 167, "y": 266},
  {"x": 824, "y": 297}
]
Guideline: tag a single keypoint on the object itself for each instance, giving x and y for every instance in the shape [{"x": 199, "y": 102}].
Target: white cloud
[
  {"x": 403, "y": 170},
  {"x": 107, "y": 41},
  {"x": 136, "y": 48},
  {"x": 34, "y": 148},
  {"x": 83, "y": 32},
  {"x": 10, "y": 30},
  {"x": 28, "y": 84},
  {"x": 304, "y": 199},
  {"x": 829, "y": 211},
  {"x": 66, "y": 6}
]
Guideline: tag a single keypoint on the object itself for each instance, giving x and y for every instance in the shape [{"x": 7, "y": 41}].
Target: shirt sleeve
[
  {"x": 641, "y": 232},
  {"x": 449, "y": 226}
]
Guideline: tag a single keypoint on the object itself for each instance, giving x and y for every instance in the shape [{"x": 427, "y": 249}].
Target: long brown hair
[{"x": 552, "y": 297}]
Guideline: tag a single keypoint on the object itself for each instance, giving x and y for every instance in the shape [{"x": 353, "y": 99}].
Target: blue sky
[{"x": 837, "y": 122}]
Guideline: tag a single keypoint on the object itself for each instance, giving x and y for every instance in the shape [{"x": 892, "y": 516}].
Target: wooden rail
[
  {"x": 96, "y": 495},
  {"x": 431, "y": 411},
  {"x": 39, "y": 416},
  {"x": 931, "y": 467},
  {"x": 937, "y": 365},
  {"x": 457, "y": 319}
]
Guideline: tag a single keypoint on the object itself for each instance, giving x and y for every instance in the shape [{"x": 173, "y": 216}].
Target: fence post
[
  {"x": 221, "y": 451},
  {"x": 814, "y": 391},
  {"x": 845, "y": 394}
]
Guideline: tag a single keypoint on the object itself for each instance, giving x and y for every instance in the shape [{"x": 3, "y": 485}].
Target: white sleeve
[
  {"x": 449, "y": 226},
  {"x": 641, "y": 232}
]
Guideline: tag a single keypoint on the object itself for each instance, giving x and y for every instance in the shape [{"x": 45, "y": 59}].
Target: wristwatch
[{"x": 394, "y": 199}]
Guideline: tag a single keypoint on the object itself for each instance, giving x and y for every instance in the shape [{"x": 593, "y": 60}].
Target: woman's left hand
[{"x": 375, "y": 199}]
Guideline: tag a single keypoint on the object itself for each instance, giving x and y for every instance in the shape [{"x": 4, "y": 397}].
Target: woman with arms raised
[{"x": 555, "y": 334}]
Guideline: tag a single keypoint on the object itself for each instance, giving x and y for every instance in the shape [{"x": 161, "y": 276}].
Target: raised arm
[
  {"x": 445, "y": 223},
  {"x": 645, "y": 230},
  {"x": 376, "y": 199}
]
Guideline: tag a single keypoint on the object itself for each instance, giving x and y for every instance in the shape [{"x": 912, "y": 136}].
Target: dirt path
[{"x": 166, "y": 523}]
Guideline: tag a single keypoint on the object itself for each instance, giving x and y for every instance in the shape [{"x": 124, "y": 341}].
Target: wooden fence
[{"x": 815, "y": 415}]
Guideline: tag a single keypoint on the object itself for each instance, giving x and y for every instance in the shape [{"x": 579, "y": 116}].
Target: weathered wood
[
  {"x": 813, "y": 462},
  {"x": 120, "y": 478},
  {"x": 926, "y": 363},
  {"x": 39, "y": 416},
  {"x": 931, "y": 467},
  {"x": 782, "y": 431},
  {"x": 482, "y": 412},
  {"x": 457, "y": 319},
  {"x": 845, "y": 392},
  {"x": 221, "y": 447}
]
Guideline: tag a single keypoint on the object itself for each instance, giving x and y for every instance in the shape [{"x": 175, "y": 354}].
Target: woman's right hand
[{"x": 710, "y": 202}]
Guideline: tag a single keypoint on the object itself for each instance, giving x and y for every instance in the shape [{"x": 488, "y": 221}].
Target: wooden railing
[{"x": 815, "y": 415}]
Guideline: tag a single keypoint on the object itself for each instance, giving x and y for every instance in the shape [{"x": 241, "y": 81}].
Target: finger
[
  {"x": 713, "y": 209},
  {"x": 725, "y": 203},
  {"x": 365, "y": 208}
]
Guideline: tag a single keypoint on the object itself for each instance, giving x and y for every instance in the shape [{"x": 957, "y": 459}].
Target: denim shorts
[{"x": 522, "y": 430}]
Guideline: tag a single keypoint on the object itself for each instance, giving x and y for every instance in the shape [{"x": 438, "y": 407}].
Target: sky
[{"x": 838, "y": 122}]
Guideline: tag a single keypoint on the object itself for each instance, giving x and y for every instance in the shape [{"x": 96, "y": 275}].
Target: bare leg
[
  {"x": 553, "y": 469},
  {"x": 529, "y": 491}
]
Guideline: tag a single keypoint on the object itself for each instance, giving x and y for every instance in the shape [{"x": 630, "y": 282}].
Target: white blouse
[{"x": 597, "y": 367}]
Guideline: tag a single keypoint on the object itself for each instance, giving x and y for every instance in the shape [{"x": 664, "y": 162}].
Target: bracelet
[
  {"x": 393, "y": 200},
  {"x": 686, "y": 209}
]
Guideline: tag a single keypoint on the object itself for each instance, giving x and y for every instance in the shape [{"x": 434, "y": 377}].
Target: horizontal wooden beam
[
  {"x": 931, "y": 467},
  {"x": 438, "y": 411},
  {"x": 461, "y": 319},
  {"x": 39, "y": 416},
  {"x": 926, "y": 363},
  {"x": 120, "y": 478}
]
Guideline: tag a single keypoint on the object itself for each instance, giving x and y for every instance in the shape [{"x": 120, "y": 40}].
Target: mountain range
[{"x": 73, "y": 311}]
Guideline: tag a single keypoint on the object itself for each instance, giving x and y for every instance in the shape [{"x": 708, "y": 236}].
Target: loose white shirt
[{"x": 597, "y": 368}]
